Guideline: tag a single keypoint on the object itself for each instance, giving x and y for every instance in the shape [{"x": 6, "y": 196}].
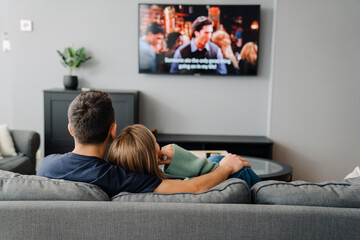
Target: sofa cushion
[
  {"x": 14, "y": 186},
  {"x": 343, "y": 193},
  {"x": 230, "y": 191}
]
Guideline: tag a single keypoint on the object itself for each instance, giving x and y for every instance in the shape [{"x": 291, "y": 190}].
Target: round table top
[{"x": 268, "y": 169}]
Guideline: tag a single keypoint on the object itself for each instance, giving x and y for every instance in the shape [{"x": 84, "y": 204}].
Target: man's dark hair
[
  {"x": 199, "y": 23},
  {"x": 171, "y": 39},
  {"x": 90, "y": 116},
  {"x": 155, "y": 28}
]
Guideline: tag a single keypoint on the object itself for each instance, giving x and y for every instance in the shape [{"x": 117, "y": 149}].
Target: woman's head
[
  {"x": 221, "y": 38},
  {"x": 135, "y": 149},
  {"x": 249, "y": 52}
]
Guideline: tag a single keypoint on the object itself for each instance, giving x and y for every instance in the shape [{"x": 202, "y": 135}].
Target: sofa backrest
[
  {"x": 343, "y": 193},
  {"x": 14, "y": 186},
  {"x": 232, "y": 190}
]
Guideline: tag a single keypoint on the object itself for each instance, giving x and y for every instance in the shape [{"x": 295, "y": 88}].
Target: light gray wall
[
  {"x": 109, "y": 31},
  {"x": 6, "y": 113},
  {"x": 315, "y": 99}
]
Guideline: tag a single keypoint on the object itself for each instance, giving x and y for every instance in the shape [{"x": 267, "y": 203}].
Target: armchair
[{"x": 26, "y": 144}]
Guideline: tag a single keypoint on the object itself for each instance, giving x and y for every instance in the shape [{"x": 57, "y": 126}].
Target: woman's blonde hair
[
  {"x": 134, "y": 149},
  {"x": 222, "y": 39},
  {"x": 249, "y": 52}
]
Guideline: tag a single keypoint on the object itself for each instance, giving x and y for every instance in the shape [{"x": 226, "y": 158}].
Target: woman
[
  {"x": 222, "y": 39},
  {"x": 135, "y": 149},
  {"x": 248, "y": 60}
]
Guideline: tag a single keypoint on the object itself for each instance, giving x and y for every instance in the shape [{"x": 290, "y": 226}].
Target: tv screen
[{"x": 199, "y": 39}]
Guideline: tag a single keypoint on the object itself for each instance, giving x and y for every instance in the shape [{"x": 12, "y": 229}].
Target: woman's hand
[
  {"x": 166, "y": 154},
  {"x": 234, "y": 162}
]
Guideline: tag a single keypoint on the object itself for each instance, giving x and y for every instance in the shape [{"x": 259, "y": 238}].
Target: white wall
[{"x": 315, "y": 100}]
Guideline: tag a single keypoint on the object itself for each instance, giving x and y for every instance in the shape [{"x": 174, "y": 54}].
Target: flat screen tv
[{"x": 199, "y": 39}]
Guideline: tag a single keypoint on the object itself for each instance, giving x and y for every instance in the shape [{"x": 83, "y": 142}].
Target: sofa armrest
[{"x": 26, "y": 142}]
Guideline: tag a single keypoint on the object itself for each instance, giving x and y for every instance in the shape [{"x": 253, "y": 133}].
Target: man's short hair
[
  {"x": 155, "y": 28},
  {"x": 199, "y": 23},
  {"x": 171, "y": 39},
  {"x": 90, "y": 116}
]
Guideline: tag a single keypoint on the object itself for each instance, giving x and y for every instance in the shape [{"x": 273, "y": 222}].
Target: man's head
[
  {"x": 155, "y": 34},
  {"x": 91, "y": 115},
  {"x": 202, "y": 30},
  {"x": 174, "y": 40}
]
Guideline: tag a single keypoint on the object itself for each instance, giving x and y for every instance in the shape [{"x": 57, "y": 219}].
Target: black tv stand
[{"x": 256, "y": 146}]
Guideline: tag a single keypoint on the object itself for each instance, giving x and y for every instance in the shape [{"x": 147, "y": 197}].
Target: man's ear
[
  {"x": 112, "y": 130},
  {"x": 70, "y": 131},
  {"x": 196, "y": 33}
]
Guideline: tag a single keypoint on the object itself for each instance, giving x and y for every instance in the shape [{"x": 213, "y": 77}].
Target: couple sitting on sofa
[{"x": 133, "y": 158}]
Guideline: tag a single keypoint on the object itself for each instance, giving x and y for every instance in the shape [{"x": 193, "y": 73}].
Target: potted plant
[{"x": 73, "y": 59}]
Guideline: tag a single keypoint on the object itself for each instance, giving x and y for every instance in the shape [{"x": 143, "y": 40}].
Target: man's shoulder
[
  {"x": 55, "y": 156},
  {"x": 60, "y": 163},
  {"x": 183, "y": 46},
  {"x": 50, "y": 163},
  {"x": 144, "y": 45}
]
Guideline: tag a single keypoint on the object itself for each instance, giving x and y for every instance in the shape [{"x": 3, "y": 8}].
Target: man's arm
[{"x": 228, "y": 165}]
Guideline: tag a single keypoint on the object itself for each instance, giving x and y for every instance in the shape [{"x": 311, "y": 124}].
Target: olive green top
[{"x": 187, "y": 165}]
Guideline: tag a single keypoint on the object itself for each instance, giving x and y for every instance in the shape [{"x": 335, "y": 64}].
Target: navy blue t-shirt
[{"x": 111, "y": 178}]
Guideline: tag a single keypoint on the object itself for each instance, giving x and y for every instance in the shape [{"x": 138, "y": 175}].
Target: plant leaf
[
  {"x": 73, "y": 58},
  {"x": 71, "y": 52}
]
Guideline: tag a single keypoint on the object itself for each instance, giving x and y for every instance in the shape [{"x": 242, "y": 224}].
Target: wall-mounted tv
[{"x": 199, "y": 39}]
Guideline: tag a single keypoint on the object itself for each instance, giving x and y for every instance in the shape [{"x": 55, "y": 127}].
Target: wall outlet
[{"x": 26, "y": 25}]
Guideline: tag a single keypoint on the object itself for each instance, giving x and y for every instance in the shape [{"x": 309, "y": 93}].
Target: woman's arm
[
  {"x": 228, "y": 165},
  {"x": 185, "y": 164}
]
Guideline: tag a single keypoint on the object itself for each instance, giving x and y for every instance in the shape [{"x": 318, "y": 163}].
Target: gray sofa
[
  {"x": 33, "y": 207},
  {"x": 26, "y": 144}
]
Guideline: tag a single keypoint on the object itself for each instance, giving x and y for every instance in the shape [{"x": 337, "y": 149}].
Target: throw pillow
[
  {"x": 354, "y": 174},
  {"x": 230, "y": 191},
  {"x": 14, "y": 186},
  {"x": 7, "y": 147},
  {"x": 343, "y": 193}
]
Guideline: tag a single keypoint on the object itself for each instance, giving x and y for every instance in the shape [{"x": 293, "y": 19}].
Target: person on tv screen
[
  {"x": 222, "y": 39},
  {"x": 174, "y": 40},
  {"x": 149, "y": 47},
  {"x": 198, "y": 55},
  {"x": 248, "y": 59}
]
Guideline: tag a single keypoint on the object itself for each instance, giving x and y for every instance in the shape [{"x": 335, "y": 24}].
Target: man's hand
[
  {"x": 166, "y": 154},
  {"x": 234, "y": 162}
]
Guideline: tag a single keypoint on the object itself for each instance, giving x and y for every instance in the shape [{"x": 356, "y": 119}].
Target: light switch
[
  {"x": 26, "y": 25},
  {"x": 6, "y": 47}
]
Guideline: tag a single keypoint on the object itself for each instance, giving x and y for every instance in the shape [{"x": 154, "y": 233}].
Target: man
[
  {"x": 92, "y": 124},
  {"x": 199, "y": 47},
  {"x": 149, "y": 47}
]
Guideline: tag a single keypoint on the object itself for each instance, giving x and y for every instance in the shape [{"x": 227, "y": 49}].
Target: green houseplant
[{"x": 72, "y": 59}]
